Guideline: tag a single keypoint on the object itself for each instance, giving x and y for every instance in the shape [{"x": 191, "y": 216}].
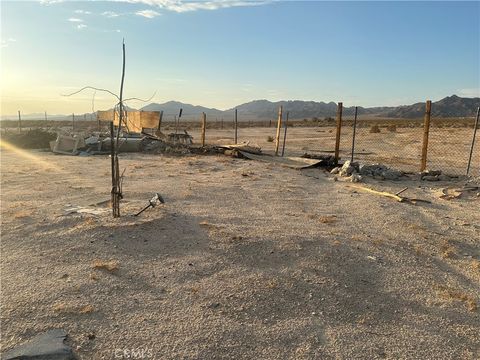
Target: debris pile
[
  {"x": 354, "y": 171},
  {"x": 100, "y": 143},
  {"x": 434, "y": 175}
]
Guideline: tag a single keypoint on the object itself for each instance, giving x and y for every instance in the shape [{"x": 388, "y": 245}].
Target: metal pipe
[
  {"x": 354, "y": 132},
  {"x": 473, "y": 140}
]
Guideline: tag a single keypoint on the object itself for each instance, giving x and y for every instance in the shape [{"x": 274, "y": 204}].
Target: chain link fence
[{"x": 396, "y": 143}]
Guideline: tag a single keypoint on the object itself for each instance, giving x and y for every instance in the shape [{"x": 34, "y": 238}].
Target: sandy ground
[{"x": 245, "y": 260}]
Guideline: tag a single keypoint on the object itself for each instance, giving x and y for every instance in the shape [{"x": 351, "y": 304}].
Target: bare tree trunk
[{"x": 116, "y": 181}]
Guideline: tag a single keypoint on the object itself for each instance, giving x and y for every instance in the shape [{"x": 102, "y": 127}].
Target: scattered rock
[
  {"x": 430, "y": 178},
  {"x": 355, "y": 178},
  {"x": 348, "y": 168}
]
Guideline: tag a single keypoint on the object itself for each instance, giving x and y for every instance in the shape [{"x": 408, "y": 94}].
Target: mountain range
[{"x": 450, "y": 106}]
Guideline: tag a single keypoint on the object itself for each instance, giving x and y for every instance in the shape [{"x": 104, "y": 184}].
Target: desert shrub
[
  {"x": 270, "y": 138},
  {"x": 392, "y": 128},
  {"x": 374, "y": 129}
]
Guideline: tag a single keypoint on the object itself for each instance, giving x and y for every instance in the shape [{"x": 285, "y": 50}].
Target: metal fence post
[
  {"x": 354, "y": 131},
  {"x": 204, "y": 126},
  {"x": 339, "y": 128},
  {"x": 426, "y": 131},
  {"x": 236, "y": 126},
  {"x": 475, "y": 126}
]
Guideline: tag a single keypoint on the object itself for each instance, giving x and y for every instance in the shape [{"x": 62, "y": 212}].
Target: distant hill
[
  {"x": 451, "y": 106},
  {"x": 172, "y": 108}
]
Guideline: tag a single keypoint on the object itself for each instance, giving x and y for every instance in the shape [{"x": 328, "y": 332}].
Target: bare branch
[
  {"x": 93, "y": 88},
  {"x": 142, "y": 100}
]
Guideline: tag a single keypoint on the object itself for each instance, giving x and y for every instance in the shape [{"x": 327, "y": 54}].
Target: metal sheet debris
[{"x": 291, "y": 162}]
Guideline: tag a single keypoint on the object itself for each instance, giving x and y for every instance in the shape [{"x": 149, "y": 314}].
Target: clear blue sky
[{"x": 220, "y": 54}]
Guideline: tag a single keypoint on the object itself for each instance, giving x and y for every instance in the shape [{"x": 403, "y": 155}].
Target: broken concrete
[{"x": 68, "y": 145}]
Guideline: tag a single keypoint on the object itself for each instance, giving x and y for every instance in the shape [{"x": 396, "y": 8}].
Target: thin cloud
[
  {"x": 469, "y": 92},
  {"x": 82, "y": 12},
  {"x": 75, "y": 20},
  {"x": 181, "y": 6},
  {"x": 48, "y": 2},
  {"x": 110, "y": 14},
  {"x": 7, "y": 42},
  {"x": 81, "y": 26},
  {"x": 150, "y": 14}
]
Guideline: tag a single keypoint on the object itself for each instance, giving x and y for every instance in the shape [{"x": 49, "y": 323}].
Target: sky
[{"x": 224, "y": 53}]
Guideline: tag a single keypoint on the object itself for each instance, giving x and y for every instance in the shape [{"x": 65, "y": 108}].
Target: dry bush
[
  {"x": 392, "y": 128},
  {"x": 475, "y": 265},
  {"x": 22, "y": 214},
  {"x": 451, "y": 294},
  {"x": 89, "y": 221},
  {"x": 109, "y": 265},
  {"x": 93, "y": 276},
  {"x": 448, "y": 251},
  {"x": 270, "y": 138},
  {"x": 327, "y": 219},
  {"x": 86, "y": 309},
  {"x": 374, "y": 129},
  {"x": 272, "y": 284},
  {"x": 418, "y": 250},
  {"x": 73, "y": 309}
]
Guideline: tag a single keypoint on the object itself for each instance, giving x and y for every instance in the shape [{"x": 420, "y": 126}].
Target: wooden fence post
[
  {"x": 279, "y": 126},
  {"x": 236, "y": 125},
  {"x": 426, "y": 130},
  {"x": 160, "y": 121},
  {"x": 204, "y": 126},
  {"x": 339, "y": 128},
  {"x": 73, "y": 122},
  {"x": 19, "y": 122}
]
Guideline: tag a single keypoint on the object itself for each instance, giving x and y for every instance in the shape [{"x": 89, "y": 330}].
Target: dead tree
[{"x": 117, "y": 179}]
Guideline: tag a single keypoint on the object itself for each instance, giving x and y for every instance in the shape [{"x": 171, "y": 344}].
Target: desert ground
[{"x": 244, "y": 260}]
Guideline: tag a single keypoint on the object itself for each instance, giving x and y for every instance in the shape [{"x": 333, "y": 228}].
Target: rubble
[{"x": 354, "y": 171}]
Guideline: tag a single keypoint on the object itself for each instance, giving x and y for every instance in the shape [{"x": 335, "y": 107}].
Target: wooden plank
[
  {"x": 136, "y": 120},
  {"x": 105, "y": 115}
]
